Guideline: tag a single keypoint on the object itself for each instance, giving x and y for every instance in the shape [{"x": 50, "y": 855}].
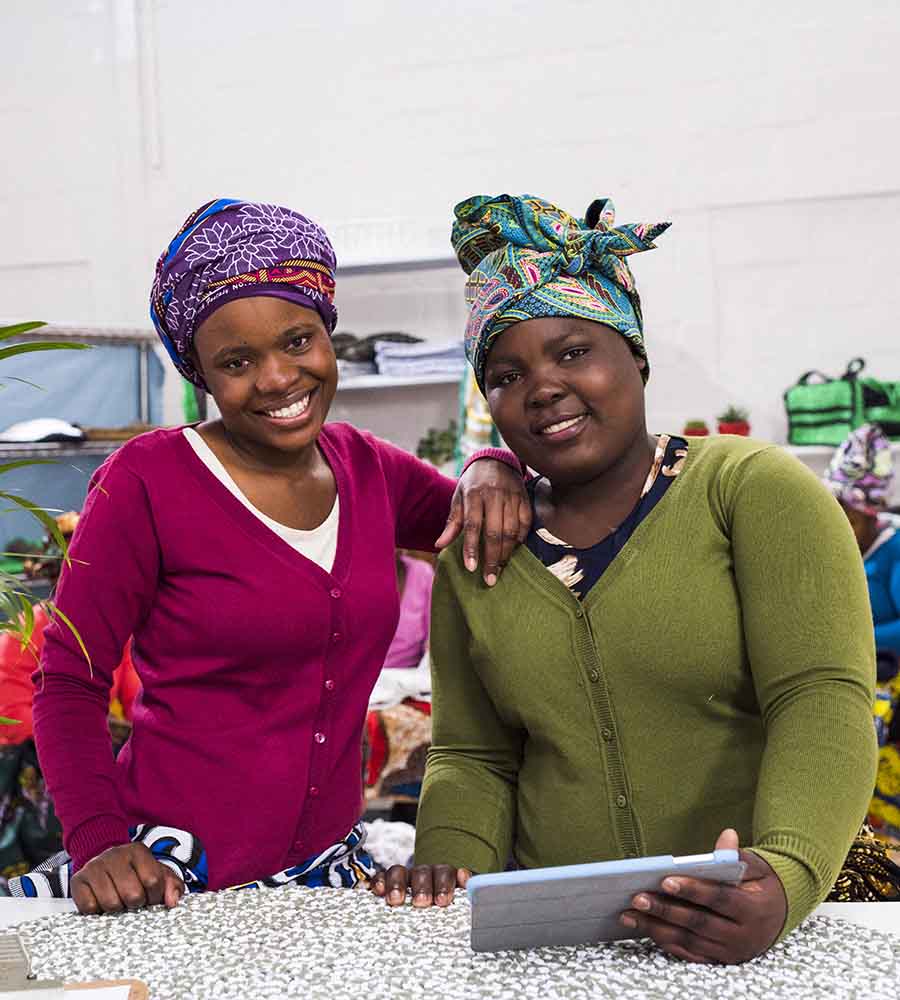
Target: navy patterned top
[{"x": 580, "y": 569}]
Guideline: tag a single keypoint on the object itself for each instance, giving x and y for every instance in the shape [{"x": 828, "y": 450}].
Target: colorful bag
[
  {"x": 824, "y": 411},
  {"x": 881, "y": 405}
]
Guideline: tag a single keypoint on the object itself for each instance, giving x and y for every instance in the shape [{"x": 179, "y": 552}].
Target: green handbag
[
  {"x": 881, "y": 405},
  {"x": 823, "y": 410}
]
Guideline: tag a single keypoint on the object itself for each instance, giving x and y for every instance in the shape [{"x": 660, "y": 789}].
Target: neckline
[
  {"x": 211, "y": 459},
  {"x": 260, "y": 532},
  {"x": 663, "y": 443},
  {"x": 524, "y": 562}
]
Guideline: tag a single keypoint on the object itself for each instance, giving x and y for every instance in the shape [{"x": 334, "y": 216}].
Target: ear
[{"x": 640, "y": 362}]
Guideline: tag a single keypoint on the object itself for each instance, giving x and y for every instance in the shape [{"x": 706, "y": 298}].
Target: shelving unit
[
  {"x": 56, "y": 449},
  {"x": 394, "y": 382},
  {"x": 823, "y": 450}
]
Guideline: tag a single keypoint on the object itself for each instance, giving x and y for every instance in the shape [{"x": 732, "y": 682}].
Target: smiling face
[
  {"x": 270, "y": 367},
  {"x": 567, "y": 396}
]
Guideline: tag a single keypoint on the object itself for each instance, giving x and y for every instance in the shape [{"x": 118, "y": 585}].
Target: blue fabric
[{"x": 883, "y": 575}]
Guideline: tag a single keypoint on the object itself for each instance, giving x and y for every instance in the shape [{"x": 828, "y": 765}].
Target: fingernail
[
  {"x": 471, "y": 564},
  {"x": 441, "y": 897},
  {"x": 641, "y": 902},
  {"x": 396, "y": 896},
  {"x": 628, "y": 921},
  {"x": 491, "y": 579},
  {"x": 421, "y": 899},
  {"x": 671, "y": 885}
]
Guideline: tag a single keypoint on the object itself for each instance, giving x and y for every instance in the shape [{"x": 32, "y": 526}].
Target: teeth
[
  {"x": 562, "y": 425},
  {"x": 294, "y": 410}
]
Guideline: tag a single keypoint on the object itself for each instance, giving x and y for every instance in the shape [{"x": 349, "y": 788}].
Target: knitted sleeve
[
  {"x": 104, "y": 593},
  {"x": 467, "y": 811},
  {"x": 808, "y": 630}
]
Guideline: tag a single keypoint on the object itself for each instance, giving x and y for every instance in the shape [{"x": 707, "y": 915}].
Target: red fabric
[
  {"x": 16, "y": 688},
  {"x": 378, "y": 749}
]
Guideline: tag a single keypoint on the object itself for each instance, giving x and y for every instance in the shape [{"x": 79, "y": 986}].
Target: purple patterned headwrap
[
  {"x": 231, "y": 249},
  {"x": 861, "y": 470}
]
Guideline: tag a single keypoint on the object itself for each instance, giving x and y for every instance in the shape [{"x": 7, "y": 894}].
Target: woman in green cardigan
[{"x": 681, "y": 655}]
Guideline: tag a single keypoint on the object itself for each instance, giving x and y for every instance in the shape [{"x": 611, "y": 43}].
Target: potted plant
[
  {"x": 439, "y": 447},
  {"x": 695, "y": 428},
  {"x": 16, "y": 615},
  {"x": 734, "y": 420}
]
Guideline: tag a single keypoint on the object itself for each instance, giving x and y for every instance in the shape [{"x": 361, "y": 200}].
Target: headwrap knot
[{"x": 527, "y": 259}]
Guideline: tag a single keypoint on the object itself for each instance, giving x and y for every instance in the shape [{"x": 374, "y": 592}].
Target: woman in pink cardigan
[{"x": 252, "y": 559}]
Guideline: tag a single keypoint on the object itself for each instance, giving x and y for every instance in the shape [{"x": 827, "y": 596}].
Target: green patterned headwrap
[{"x": 527, "y": 259}]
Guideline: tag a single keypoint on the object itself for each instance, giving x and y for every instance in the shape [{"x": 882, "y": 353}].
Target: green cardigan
[{"x": 720, "y": 673}]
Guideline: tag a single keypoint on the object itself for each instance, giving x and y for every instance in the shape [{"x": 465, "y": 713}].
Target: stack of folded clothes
[
  {"x": 356, "y": 355},
  {"x": 402, "y": 359}
]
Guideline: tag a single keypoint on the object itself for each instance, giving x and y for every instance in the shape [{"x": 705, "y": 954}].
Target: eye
[
  {"x": 498, "y": 379},
  {"x": 236, "y": 364},
  {"x": 574, "y": 352},
  {"x": 299, "y": 341}
]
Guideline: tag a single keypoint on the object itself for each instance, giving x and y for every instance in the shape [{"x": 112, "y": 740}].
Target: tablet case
[{"x": 577, "y": 904}]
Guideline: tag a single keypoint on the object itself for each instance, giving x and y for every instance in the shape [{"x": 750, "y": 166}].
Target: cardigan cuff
[
  {"x": 499, "y": 455},
  {"x": 458, "y": 848},
  {"x": 94, "y": 836},
  {"x": 800, "y": 878}
]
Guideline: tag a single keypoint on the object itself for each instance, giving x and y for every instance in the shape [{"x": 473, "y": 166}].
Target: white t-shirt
[{"x": 318, "y": 545}]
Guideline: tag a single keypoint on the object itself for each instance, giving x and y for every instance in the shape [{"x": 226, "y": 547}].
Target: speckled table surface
[{"x": 328, "y": 944}]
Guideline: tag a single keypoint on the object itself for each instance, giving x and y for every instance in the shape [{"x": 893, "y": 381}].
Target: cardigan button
[
  {"x": 595, "y": 676},
  {"x": 319, "y": 738},
  {"x": 336, "y": 592},
  {"x": 621, "y": 801},
  {"x": 606, "y": 734},
  {"x": 579, "y": 613}
]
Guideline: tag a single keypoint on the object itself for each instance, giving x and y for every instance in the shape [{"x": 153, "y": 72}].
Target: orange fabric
[{"x": 16, "y": 690}]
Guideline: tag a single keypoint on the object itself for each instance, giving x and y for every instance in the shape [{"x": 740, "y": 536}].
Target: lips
[
  {"x": 559, "y": 424},
  {"x": 290, "y": 408}
]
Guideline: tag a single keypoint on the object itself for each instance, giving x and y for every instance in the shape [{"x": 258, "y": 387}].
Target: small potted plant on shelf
[
  {"x": 439, "y": 446},
  {"x": 695, "y": 428},
  {"x": 734, "y": 420}
]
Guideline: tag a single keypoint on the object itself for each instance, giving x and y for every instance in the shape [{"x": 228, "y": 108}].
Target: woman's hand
[
  {"x": 430, "y": 884},
  {"x": 713, "y": 922},
  {"x": 125, "y": 878},
  {"x": 491, "y": 505}
]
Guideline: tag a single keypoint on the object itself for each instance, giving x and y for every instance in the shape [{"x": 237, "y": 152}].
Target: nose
[
  {"x": 545, "y": 390},
  {"x": 275, "y": 374}
]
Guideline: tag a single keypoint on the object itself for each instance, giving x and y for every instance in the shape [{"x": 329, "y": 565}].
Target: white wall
[{"x": 769, "y": 132}]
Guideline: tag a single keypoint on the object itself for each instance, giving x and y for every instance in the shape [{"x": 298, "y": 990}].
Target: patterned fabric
[
  {"x": 343, "y": 865},
  {"x": 868, "y": 874},
  {"x": 861, "y": 470},
  {"x": 580, "y": 569},
  {"x": 395, "y": 748},
  {"x": 527, "y": 258},
  {"x": 229, "y": 249}
]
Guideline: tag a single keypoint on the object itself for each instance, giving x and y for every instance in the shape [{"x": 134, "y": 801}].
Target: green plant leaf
[
  {"x": 40, "y": 514},
  {"x": 22, "y": 462},
  {"x": 41, "y": 345},
  {"x": 54, "y": 611},
  {"x": 9, "y": 722},
  {"x": 19, "y": 328}
]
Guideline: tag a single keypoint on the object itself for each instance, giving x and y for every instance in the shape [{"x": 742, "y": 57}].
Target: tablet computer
[{"x": 577, "y": 904}]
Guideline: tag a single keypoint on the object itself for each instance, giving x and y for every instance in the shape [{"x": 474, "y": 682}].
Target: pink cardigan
[{"x": 256, "y": 664}]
